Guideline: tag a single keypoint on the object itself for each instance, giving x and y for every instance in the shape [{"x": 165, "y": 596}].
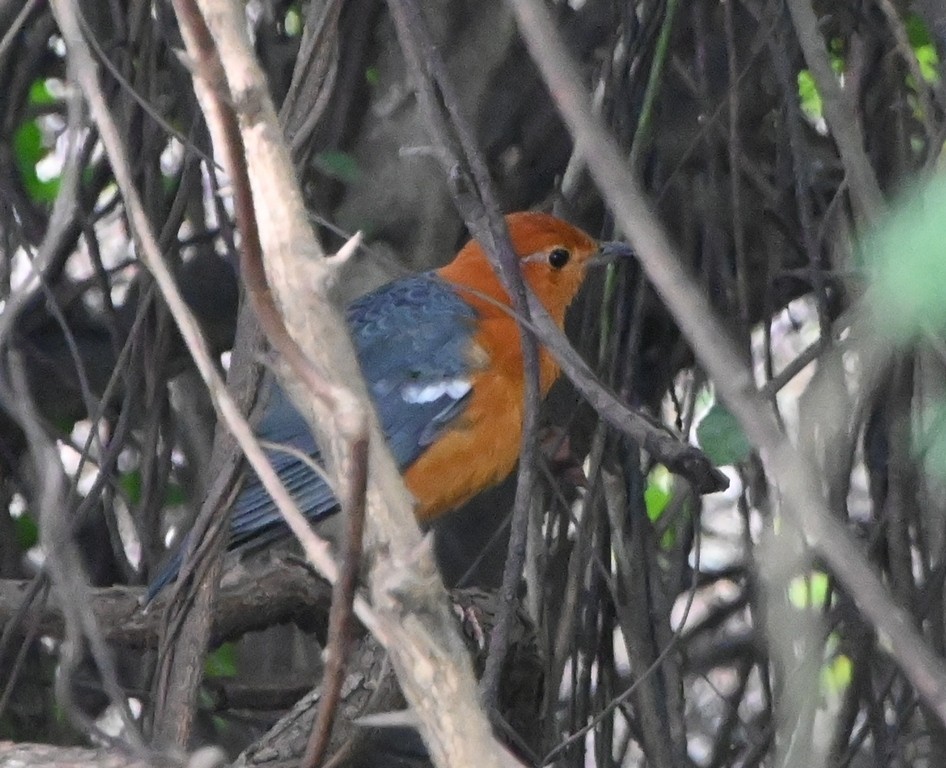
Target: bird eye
[{"x": 558, "y": 258}]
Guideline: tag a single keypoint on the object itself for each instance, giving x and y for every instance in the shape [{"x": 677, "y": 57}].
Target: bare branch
[
  {"x": 29, "y": 755},
  {"x": 279, "y": 590},
  {"x": 839, "y": 113},
  {"x": 475, "y": 199},
  {"x": 423, "y": 639},
  {"x": 708, "y": 338}
]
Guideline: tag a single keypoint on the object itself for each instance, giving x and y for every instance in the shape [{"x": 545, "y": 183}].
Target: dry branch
[
  {"x": 371, "y": 689},
  {"x": 26, "y": 755},
  {"x": 708, "y": 338},
  {"x": 412, "y": 612},
  {"x": 282, "y": 589}
]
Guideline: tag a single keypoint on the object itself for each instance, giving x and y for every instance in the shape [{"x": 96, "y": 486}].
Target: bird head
[{"x": 554, "y": 258}]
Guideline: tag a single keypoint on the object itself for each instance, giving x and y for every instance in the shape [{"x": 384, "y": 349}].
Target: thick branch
[
  {"x": 414, "y": 622},
  {"x": 280, "y": 590},
  {"x": 29, "y": 755}
]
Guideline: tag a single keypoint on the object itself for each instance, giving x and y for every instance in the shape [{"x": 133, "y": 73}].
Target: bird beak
[{"x": 609, "y": 252}]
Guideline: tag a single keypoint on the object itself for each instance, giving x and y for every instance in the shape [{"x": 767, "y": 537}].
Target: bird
[{"x": 441, "y": 354}]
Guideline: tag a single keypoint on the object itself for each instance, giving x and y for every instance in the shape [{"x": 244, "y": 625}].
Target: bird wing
[{"x": 412, "y": 338}]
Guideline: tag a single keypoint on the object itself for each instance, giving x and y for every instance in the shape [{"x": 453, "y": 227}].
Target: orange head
[{"x": 553, "y": 254}]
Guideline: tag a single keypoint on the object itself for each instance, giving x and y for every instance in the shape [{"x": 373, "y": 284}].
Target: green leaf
[
  {"x": 130, "y": 483},
  {"x": 721, "y": 437},
  {"x": 923, "y": 47},
  {"x": 836, "y": 674},
  {"x": 293, "y": 22},
  {"x": 906, "y": 257},
  {"x": 27, "y": 532},
  {"x": 657, "y": 493},
  {"x": 338, "y": 165},
  {"x": 63, "y": 424},
  {"x": 657, "y": 496},
  {"x": 372, "y": 75},
  {"x": 39, "y": 94},
  {"x": 810, "y": 591},
  {"x": 809, "y": 97},
  {"x": 174, "y": 496},
  {"x": 29, "y": 149},
  {"x": 221, "y": 662},
  {"x": 929, "y": 442}
]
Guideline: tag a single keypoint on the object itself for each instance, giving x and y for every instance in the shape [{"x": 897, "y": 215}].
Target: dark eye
[{"x": 558, "y": 258}]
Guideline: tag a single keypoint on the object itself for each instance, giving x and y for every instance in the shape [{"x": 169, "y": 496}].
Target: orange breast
[{"x": 481, "y": 447}]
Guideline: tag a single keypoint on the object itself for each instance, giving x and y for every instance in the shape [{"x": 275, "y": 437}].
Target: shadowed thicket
[{"x": 673, "y": 629}]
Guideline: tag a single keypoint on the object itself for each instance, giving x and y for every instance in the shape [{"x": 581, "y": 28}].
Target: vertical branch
[
  {"x": 839, "y": 113},
  {"x": 735, "y": 177},
  {"x": 350, "y": 418},
  {"x": 63, "y": 563},
  {"x": 803, "y": 502},
  {"x": 477, "y": 203},
  {"x": 411, "y": 615}
]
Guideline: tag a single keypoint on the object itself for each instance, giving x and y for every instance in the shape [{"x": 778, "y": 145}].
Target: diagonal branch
[
  {"x": 803, "y": 502},
  {"x": 412, "y": 618},
  {"x": 350, "y": 420},
  {"x": 477, "y": 202},
  {"x": 839, "y": 113}
]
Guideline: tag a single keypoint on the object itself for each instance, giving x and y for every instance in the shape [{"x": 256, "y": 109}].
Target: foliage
[
  {"x": 907, "y": 259},
  {"x": 721, "y": 437}
]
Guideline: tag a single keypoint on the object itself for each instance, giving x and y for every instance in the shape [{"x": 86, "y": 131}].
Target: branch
[
  {"x": 350, "y": 420},
  {"x": 804, "y": 504},
  {"x": 839, "y": 113},
  {"x": 676, "y": 455},
  {"x": 477, "y": 202},
  {"x": 280, "y": 590},
  {"x": 411, "y": 616},
  {"x": 27, "y": 755},
  {"x": 317, "y": 550},
  {"x": 371, "y": 689}
]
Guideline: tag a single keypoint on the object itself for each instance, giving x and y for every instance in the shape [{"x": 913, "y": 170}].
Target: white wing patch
[{"x": 429, "y": 393}]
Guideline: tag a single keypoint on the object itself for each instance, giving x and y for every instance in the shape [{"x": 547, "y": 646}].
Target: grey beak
[{"x": 611, "y": 251}]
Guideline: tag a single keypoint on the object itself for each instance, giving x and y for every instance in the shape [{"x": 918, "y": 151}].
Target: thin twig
[
  {"x": 617, "y": 701},
  {"x": 478, "y": 204},
  {"x": 64, "y": 565},
  {"x": 340, "y": 619},
  {"x": 839, "y": 113},
  {"x": 735, "y": 177},
  {"x": 922, "y": 87},
  {"x": 38, "y": 585},
  {"x": 654, "y": 83},
  {"x": 659, "y": 442},
  {"x": 801, "y": 165},
  {"x": 734, "y": 380},
  {"x": 16, "y": 26}
]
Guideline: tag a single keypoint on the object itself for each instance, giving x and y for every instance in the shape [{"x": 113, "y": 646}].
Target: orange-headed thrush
[{"x": 442, "y": 358}]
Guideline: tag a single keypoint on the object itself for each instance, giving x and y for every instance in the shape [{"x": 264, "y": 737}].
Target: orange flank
[
  {"x": 481, "y": 446},
  {"x": 442, "y": 356}
]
